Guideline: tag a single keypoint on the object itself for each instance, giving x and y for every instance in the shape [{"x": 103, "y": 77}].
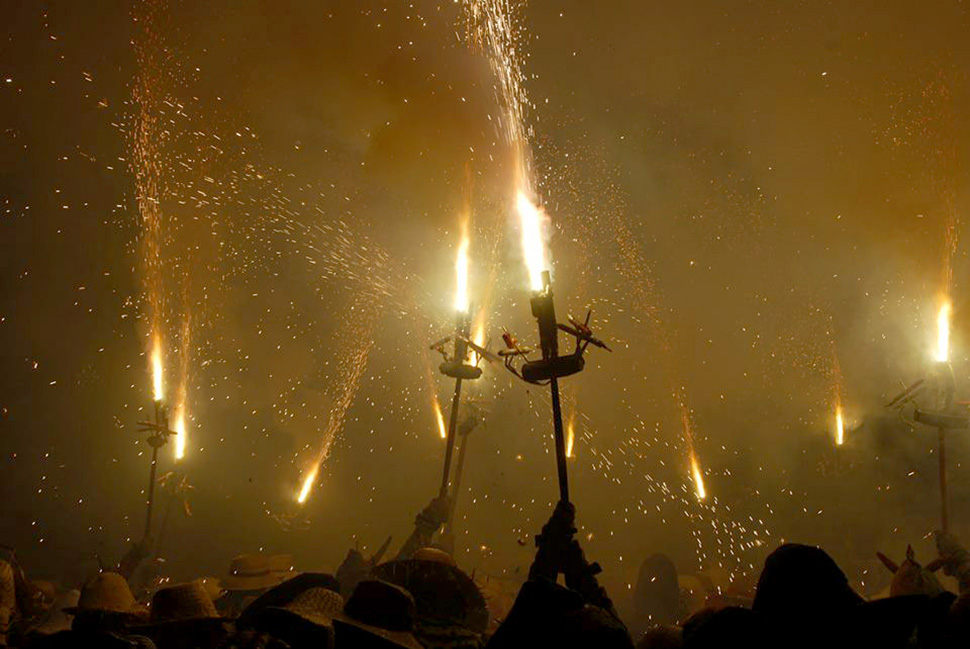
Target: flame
[
  {"x": 311, "y": 477},
  {"x": 695, "y": 470},
  {"x": 531, "y": 219},
  {"x": 943, "y": 331},
  {"x": 181, "y": 437},
  {"x": 570, "y": 437},
  {"x": 461, "y": 269},
  {"x": 157, "y": 368},
  {"x": 442, "y": 429},
  {"x": 839, "y": 427}
]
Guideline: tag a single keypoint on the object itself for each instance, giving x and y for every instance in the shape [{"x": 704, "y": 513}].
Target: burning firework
[
  {"x": 570, "y": 434},
  {"x": 180, "y": 435},
  {"x": 531, "y": 219},
  {"x": 461, "y": 273},
  {"x": 308, "y": 484},
  {"x": 839, "y": 427},
  {"x": 439, "y": 417},
  {"x": 695, "y": 470},
  {"x": 157, "y": 391},
  {"x": 943, "y": 331}
]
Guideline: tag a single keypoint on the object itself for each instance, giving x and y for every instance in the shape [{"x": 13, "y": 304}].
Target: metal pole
[
  {"x": 450, "y": 445},
  {"x": 560, "y": 439},
  {"x": 151, "y": 493},
  {"x": 456, "y": 488},
  {"x": 942, "y": 453}
]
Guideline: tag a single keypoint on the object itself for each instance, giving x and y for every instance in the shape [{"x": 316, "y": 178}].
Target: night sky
[{"x": 759, "y": 200}]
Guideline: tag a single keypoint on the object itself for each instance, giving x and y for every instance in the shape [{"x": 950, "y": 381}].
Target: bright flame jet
[
  {"x": 839, "y": 427},
  {"x": 531, "y": 218},
  {"x": 695, "y": 470},
  {"x": 442, "y": 429},
  {"x": 570, "y": 437},
  {"x": 461, "y": 269},
  {"x": 943, "y": 331},
  {"x": 308, "y": 484},
  {"x": 181, "y": 436},
  {"x": 157, "y": 368}
]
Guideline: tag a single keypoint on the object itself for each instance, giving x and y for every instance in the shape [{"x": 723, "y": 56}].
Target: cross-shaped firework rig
[
  {"x": 158, "y": 434},
  {"x": 551, "y": 367}
]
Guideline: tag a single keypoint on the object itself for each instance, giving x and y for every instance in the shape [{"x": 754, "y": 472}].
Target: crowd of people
[{"x": 420, "y": 599}]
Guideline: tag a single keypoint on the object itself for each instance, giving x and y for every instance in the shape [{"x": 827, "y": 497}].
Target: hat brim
[
  {"x": 347, "y": 628},
  {"x": 293, "y": 627},
  {"x": 438, "y": 587},
  {"x": 255, "y": 582}
]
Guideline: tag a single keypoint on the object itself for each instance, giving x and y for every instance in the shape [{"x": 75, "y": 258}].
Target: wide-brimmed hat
[
  {"x": 306, "y": 620},
  {"x": 280, "y": 596},
  {"x": 107, "y": 592},
  {"x": 182, "y": 603},
  {"x": 257, "y": 571},
  {"x": 378, "y": 614},
  {"x": 443, "y": 593}
]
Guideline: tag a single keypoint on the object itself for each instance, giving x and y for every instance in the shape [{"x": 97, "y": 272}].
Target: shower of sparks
[
  {"x": 943, "y": 331},
  {"x": 531, "y": 219},
  {"x": 157, "y": 386},
  {"x": 461, "y": 273}
]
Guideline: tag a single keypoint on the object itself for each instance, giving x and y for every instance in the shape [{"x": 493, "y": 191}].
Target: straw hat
[
  {"x": 182, "y": 603},
  {"x": 257, "y": 571},
  {"x": 442, "y": 591},
  {"x": 107, "y": 592},
  {"x": 378, "y": 614},
  {"x": 283, "y": 594},
  {"x": 307, "y": 620}
]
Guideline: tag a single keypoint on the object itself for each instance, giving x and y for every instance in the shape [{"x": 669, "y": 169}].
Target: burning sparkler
[
  {"x": 461, "y": 273},
  {"x": 180, "y": 434},
  {"x": 439, "y": 417},
  {"x": 157, "y": 391},
  {"x": 311, "y": 478},
  {"x": 839, "y": 426},
  {"x": 695, "y": 470},
  {"x": 943, "y": 331},
  {"x": 531, "y": 219},
  {"x": 571, "y": 432}
]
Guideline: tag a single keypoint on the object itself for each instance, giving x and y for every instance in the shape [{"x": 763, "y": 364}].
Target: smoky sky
[{"x": 783, "y": 174}]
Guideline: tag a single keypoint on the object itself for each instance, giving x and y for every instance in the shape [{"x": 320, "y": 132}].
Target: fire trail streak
[{"x": 943, "y": 331}]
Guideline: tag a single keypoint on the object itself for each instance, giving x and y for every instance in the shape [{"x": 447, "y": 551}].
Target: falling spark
[
  {"x": 157, "y": 368},
  {"x": 943, "y": 331},
  {"x": 461, "y": 270},
  {"x": 839, "y": 427},
  {"x": 442, "y": 430},
  {"x": 181, "y": 436},
  {"x": 308, "y": 484},
  {"x": 695, "y": 470},
  {"x": 531, "y": 218}
]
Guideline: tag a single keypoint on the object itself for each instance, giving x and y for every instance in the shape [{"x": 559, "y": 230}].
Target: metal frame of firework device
[
  {"x": 551, "y": 367},
  {"x": 158, "y": 434}
]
